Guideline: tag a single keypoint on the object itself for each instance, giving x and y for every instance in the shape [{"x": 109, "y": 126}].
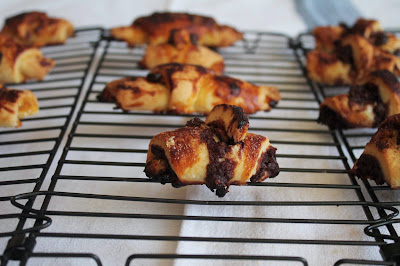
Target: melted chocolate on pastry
[
  {"x": 267, "y": 164},
  {"x": 332, "y": 119},
  {"x": 368, "y": 167},
  {"x": 345, "y": 54},
  {"x": 8, "y": 95}
]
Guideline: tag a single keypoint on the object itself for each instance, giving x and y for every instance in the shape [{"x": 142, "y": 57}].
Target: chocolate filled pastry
[
  {"x": 184, "y": 89},
  {"x": 15, "y": 105},
  {"x": 380, "y": 160},
  {"x": 218, "y": 153},
  {"x": 155, "y": 29},
  {"x": 37, "y": 29},
  {"x": 366, "y": 105},
  {"x": 327, "y": 37},
  {"x": 19, "y": 63},
  {"x": 182, "y": 48},
  {"x": 351, "y": 62}
]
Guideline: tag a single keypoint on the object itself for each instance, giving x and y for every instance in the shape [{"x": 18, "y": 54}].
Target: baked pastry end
[
  {"x": 15, "y": 105},
  {"x": 380, "y": 160}
]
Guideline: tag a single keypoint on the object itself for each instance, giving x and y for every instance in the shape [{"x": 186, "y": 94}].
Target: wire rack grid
[
  {"x": 27, "y": 153},
  {"x": 100, "y": 203},
  {"x": 354, "y": 141}
]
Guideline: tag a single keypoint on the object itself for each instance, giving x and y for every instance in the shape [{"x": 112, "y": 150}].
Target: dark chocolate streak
[
  {"x": 165, "y": 176},
  {"x": 345, "y": 54},
  {"x": 233, "y": 84},
  {"x": 333, "y": 120},
  {"x": 267, "y": 166},
  {"x": 379, "y": 38},
  {"x": 368, "y": 167},
  {"x": 219, "y": 172},
  {"x": 382, "y": 137},
  {"x": 9, "y": 95}
]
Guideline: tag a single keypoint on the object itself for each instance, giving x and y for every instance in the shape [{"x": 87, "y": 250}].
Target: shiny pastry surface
[
  {"x": 182, "y": 48},
  {"x": 217, "y": 153},
  {"x": 37, "y": 29},
  {"x": 15, "y": 105},
  {"x": 184, "y": 89},
  {"x": 366, "y": 105},
  {"x": 155, "y": 29},
  {"x": 346, "y": 55},
  {"x": 19, "y": 63},
  {"x": 380, "y": 160}
]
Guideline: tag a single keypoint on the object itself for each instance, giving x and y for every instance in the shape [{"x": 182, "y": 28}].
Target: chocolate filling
[
  {"x": 167, "y": 175},
  {"x": 154, "y": 77},
  {"x": 369, "y": 94},
  {"x": 332, "y": 119},
  {"x": 379, "y": 38},
  {"x": 219, "y": 169},
  {"x": 368, "y": 167},
  {"x": 267, "y": 166},
  {"x": 345, "y": 54},
  {"x": 9, "y": 95},
  {"x": 363, "y": 94}
]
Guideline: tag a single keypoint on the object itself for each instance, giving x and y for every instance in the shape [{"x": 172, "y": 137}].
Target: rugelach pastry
[
  {"x": 19, "y": 63},
  {"x": 366, "y": 105},
  {"x": 15, "y": 105},
  {"x": 351, "y": 62},
  {"x": 182, "y": 48},
  {"x": 155, "y": 29},
  {"x": 380, "y": 160},
  {"x": 37, "y": 29},
  {"x": 218, "y": 153},
  {"x": 185, "y": 89},
  {"x": 326, "y": 38}
]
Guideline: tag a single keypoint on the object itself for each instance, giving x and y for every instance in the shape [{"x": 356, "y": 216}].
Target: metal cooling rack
[
  {"x": 99, "y": 177},
  {"x": 355, "y": 140},
  {"x": 26, "y": 153}
]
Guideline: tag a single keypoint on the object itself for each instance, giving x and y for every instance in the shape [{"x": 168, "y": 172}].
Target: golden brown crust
[
  {"x": 366, "y": 105},
  {"x": 15, "y": 105},
  {"x": 353, "y": 60},
  {"x": 326, "y": 38},
  {"x": 182, "y": 48},
  {"x": 37, "y": 29},
  {"x": 200, "y": 154},
  {"x": 178, "y": 88},
  {"x": 155, "y": 29},
  {"x": 346, "y": 55},
  {"x": 19, "y": 63},
  {"x": 380, "y": 160}
]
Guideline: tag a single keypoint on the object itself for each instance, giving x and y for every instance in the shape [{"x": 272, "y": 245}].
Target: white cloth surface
[{"x": 253, "y": 15}]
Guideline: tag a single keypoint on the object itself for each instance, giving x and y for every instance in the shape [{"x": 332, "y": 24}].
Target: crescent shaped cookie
[
  {"x": 155, "y": 29},
  {"x": 380, "y": 160},
  {"x": 19, "y": 63},
  {"x": 37, "y": 29},
  {"x": 184, "y": 89},
  {"x": 366, "y": 105},
  {"x": 15, "y": 105},
  {"x": 205, "y": 153},
  {"x": 326, "y": 37},
  {"x": 182, "y": 48},
  {"x": 351, "y": 62}
]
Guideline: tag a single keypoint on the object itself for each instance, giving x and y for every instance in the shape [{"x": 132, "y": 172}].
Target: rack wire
[
  {"x": 355, "y": 140},
  {"x": 27, "y": 153},
  {"x": 100, "y": 203}
]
